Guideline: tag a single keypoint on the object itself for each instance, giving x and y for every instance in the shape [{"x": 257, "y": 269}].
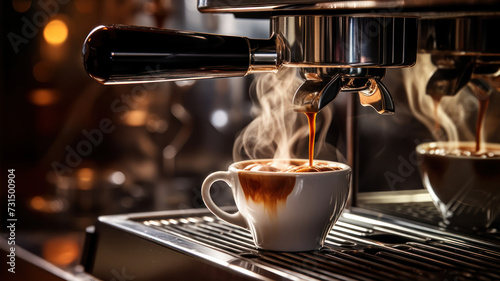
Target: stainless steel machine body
[
  {"x": 333, "y": 53},
  {"x": 192, "y": 244}
]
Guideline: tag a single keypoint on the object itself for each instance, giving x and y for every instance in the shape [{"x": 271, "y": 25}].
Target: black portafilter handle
[{"x": 120, "y": 54}]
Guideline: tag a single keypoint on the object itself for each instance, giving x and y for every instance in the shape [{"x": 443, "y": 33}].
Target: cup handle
[{"x": 235, "y": 218}]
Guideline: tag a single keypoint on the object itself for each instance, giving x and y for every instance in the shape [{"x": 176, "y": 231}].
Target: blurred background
[{"x": 81, "y": 149}]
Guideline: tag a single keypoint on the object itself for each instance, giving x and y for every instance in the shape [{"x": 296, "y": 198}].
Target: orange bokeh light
[
  {"x": 55, "y": 32},
  {"x": 37, "y": 203},
  {"x": 43, "y": 97},
  {"x": 61, "y": 251},
  {"x": 85, "y": 178}
]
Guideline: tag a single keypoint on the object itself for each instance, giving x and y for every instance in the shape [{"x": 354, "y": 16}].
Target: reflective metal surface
[
  {"x": 322, "y": 85},
  {"x": 361, "y": 246},
  {"x": 459, "y": 47},
  {"x": 346, "y": 41},
  {"x": 128, "y": 54},
  {"x": 452, "y": 73},
  {"x": 337, "y": 53},
  {"x": 466, "y": 35},
  {"x": 121, "y": 54},
  {"x": 245, "y": 6}
]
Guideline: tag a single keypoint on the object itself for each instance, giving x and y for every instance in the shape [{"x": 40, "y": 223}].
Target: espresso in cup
[
  {"x": 464, "y": 183},
  {"x": 289, "y": 167},
  {"x": 286, "y": 205}
]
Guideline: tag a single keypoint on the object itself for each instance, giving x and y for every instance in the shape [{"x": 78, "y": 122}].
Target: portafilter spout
[
  {"x": 451, "y": 75},
  {"x": 322, "y": 85},
  {"x": 316, "y": 92},
  {"x": 482, "y": 89}
]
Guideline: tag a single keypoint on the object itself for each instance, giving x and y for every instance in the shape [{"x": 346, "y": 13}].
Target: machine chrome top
[{"x": 391, "y": 7}]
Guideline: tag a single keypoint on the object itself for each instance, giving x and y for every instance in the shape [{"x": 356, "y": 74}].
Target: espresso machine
[{"x": 351, "y": 55}]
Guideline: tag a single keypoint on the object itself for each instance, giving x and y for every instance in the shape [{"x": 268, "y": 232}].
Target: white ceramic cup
[
  {"x": 465, "y": 189},
  {"x": 288, "y": 212}
]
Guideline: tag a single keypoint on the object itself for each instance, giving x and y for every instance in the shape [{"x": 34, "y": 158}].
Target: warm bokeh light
[
  {"x": 46, "y": 205},
  {"x": 61, "y": 251},
  {"x": 43, "y": 97},
  {"x": 136, "y": 118},
  {"x": 21, "y": 6},
  {"x": 85, "y": 178},
  {"x": 55, "y": 32},
  {"x": 37, "y": 203}
]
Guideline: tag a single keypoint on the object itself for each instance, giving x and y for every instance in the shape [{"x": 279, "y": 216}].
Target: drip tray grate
[{"x": 359, "y": 247}]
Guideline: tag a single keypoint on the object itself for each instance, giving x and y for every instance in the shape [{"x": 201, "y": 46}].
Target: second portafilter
[
  {"x": 333, "y": 53},
  {"x": 463, "y": 49}
]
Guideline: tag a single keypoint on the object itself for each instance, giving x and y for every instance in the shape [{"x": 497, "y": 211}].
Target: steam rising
[
  {"x": 277, "y": 131},
  {"x": 449, "y": 120}
]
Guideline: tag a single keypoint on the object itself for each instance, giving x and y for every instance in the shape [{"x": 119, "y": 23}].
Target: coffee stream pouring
[{"x": 333, "y": 53}]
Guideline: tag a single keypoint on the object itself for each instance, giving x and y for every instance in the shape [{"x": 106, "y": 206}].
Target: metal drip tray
[{"x": 362, "y": 246}]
